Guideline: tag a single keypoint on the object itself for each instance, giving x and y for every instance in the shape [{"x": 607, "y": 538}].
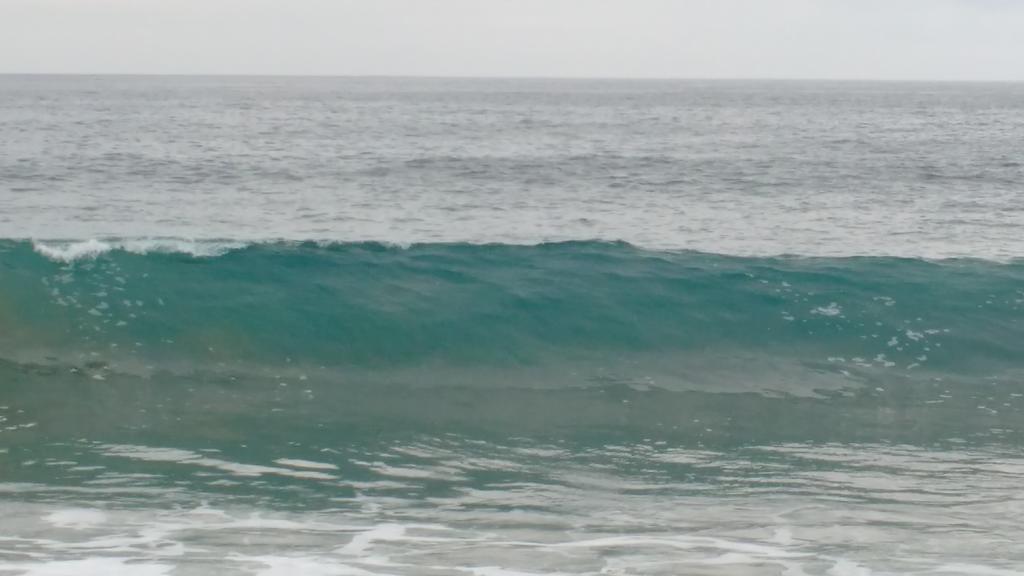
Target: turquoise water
[
  {"x": 571, "y": 314},
  {"x": 510, "y": 328}
]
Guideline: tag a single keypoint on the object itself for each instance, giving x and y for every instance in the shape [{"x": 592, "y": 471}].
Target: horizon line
[{"x": 850, "y": 79}]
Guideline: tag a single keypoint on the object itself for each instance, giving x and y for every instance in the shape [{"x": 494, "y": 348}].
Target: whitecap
[
  {"x": 77, "y": 518},
  {"x": 70, "y": 252},
  {"x": 73, "y": 251}
]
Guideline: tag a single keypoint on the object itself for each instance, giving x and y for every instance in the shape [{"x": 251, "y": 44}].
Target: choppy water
[
  {"x": 725, "y": 167},
  {"x": 366, "y": 326}
]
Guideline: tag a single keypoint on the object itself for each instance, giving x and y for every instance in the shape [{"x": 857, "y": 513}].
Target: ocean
[{"x": 386, "y": 326}]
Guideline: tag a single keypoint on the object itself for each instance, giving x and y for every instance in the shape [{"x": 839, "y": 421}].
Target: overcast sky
[{"x": 879, "y": 39}]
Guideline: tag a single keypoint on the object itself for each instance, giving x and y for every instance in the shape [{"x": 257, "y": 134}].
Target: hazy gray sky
[{"x": 885, "y": 39}]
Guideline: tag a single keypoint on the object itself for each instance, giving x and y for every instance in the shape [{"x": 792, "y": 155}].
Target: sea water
[{"x": 510, "y": 327}]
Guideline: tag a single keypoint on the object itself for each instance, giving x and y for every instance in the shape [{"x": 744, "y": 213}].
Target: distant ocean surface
[{"x": 329, "y": 326}]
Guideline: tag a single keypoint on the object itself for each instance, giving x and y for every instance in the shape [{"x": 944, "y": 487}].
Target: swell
[{"x": 559, "y": 314}]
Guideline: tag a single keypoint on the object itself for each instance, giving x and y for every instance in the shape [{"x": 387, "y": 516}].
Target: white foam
[
  {"x": 915, "y": 336},
  {"x": 848, "y": 568},
  {"x": 831, "y": 310},
  {"x": 976, "y": 570},
  {"x": 436, "y": 473},
  {"x": 289, "y": 566},
  {"x": 77, "y": 518},
  {"x": 100, "y": 566},
  {"x": 361, "y": 542},
  {"x": 69, "y": 252},
  {"x": 72, "y": 251},
  {"x": 783, "y": 536},
  {"x": 151, "y": 454},
  {"x": 497, "y": 571},
  {"x": 297, "y": 463}
]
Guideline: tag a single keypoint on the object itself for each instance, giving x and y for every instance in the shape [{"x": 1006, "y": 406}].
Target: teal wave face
[{"x": 548, "y": 315}]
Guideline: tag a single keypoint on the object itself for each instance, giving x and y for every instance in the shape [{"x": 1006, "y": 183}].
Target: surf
[{"x": 546, "y": 315}]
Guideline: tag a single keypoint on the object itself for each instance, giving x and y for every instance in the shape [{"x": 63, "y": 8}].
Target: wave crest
[{"x": 75, "y": 250}]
